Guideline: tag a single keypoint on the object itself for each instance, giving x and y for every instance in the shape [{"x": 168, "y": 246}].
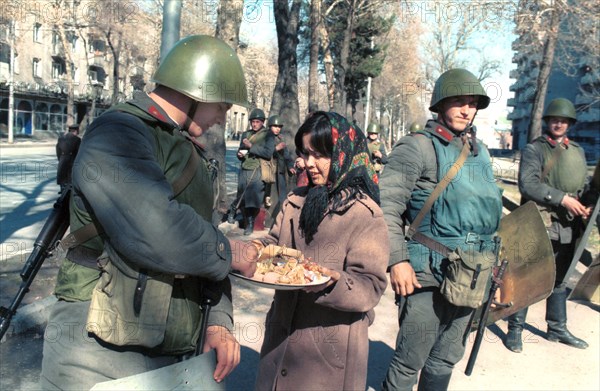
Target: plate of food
[{"x": 285, "y": 269}]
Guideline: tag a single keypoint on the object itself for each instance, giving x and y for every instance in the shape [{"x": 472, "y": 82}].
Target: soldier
[
  {"x": 256, "y": 145},
  {"x": 415, "y": 127},
  {"x": 134, "y": 278},
  {"x": 552, "y": 173},
  {"x": 376, "y": 147},
  {"x": 465, "y": 216},
  {"x": 284, "y": 166},
  {"x": 66, "y": 150}
]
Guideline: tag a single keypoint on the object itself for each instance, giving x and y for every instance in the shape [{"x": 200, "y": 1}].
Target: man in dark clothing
[
  {"x": 552, "y": 173},
  {"x": 66, "y": 150},
  {"x": 133, "y": 292},
  {"x": 256, "y": 147}
]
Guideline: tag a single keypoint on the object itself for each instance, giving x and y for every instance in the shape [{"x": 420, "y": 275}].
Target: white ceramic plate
[{"x": 283, "y": 287}]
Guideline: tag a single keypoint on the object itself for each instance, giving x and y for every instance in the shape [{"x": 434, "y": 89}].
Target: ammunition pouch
[
  {"x": 145, "y": 308},
  {"x": 467, "y": 277},
  {"x": 268, "y": 170}
]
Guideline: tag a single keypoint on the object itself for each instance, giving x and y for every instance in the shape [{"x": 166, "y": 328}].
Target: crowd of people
[{"x": 145, "y": 258}]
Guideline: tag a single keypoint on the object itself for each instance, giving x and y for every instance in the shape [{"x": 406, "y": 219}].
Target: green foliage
[{"x": 366, "y": 61}]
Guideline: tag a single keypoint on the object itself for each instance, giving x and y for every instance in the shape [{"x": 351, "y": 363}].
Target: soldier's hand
[
  {"x": 247, "y": 143},
  {"x": 377, "y": 154},
  {"x": 227, "y": 349},
  {"x": 574, "y": 207},
  {"x": 280, "y": 146},
  {"x": 244, "y": 257},
  {"x": 403, "y": 279}
]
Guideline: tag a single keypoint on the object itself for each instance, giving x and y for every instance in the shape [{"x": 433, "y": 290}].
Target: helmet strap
[{"x": 190, "y": 115}]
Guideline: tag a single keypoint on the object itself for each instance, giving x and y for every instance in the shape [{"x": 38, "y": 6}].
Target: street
[{"x": 27, "y": 193}]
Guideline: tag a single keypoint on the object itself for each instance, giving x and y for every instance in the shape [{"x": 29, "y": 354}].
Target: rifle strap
[
  {"x": 437, "y": 191},
  {"x": 90, "y": 230}
]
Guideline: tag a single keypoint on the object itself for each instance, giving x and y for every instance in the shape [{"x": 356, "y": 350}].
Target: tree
[
  {"x": 397, "y": 92},
  {"x": 561, "y": 34},
  {"x": 285, "y": 95},
  {"x": 229, "y": 19}
]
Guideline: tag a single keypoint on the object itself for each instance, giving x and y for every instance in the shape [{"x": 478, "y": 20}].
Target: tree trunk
[
  {"x": 69, "y": 75},
  {"x": 329, "y": 67},
  {"x": 285, "y": 96},
  {"x": 313, "y": 73},
  {"x": 340, "y": 97},
  {"x": 535, "y": 123},
  {"x": 116, "y": 54},
  {"x": 229, "y": 19}
]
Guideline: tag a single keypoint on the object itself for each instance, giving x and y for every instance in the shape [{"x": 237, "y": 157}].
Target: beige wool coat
[{"x": 319, "y": 341}]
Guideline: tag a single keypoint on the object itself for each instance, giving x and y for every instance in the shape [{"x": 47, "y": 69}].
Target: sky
[{"x": 258, "y": 28}]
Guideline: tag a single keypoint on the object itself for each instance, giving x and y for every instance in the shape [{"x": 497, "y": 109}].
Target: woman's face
[{"x": 316, "y": 164}]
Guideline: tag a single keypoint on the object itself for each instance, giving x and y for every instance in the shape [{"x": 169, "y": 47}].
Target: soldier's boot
[
  {"x": 556, "y": 316},
  {"x": 249, "y": 222},
  {"x": 433, "y": 382},
  {"x": 513, "y": 340}
]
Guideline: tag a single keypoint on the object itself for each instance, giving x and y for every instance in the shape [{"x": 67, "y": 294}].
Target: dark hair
[{"x": 319, "y": 128}]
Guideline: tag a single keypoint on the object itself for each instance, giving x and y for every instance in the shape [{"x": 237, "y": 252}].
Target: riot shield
[{"x": 531, "y": 271}]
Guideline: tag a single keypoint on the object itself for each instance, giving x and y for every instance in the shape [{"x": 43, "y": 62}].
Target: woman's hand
[{"x": 335, "y": 277}]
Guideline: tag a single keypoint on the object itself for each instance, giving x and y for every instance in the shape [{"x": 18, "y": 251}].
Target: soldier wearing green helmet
[
  {"x": 146, "y": 217},
  {"x": 283, "y": 165},
  {"x": 552, "y": 173},
  {"x": 376, "y": 147},
  {"x": 415, "y": 127},
  {"x": 255, "y": 152},
  {"x": 470, "y": 206}
]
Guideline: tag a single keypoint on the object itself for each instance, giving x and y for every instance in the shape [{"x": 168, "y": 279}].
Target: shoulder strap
[
  {"x": 90, "y": 230},
  {"x": 437, "y": 191}
]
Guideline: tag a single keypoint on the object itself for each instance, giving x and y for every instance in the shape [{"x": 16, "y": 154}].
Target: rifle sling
[
  {"x": 437, "y": 191},
  {"x": 90, "y": 230}
]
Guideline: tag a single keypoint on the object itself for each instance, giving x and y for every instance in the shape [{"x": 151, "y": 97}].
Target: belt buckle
[{"x": 472, "y": 238}]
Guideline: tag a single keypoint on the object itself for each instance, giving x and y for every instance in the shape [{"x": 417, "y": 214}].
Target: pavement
[{"x": 543, "y": 365}]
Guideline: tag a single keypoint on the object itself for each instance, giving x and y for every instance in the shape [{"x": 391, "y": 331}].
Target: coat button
[
  {"x": 284, "y": 372},
  {"x": 221, "y": 247}
]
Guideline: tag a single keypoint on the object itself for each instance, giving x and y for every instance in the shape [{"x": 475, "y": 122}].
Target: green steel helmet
[
  {"x": 204, "y": 68},
  {"x": 457, "y": 82},
  {"x": 560, "y": 107},
  {"x": 373, "y": 128},
  {"x": 275, "y": 120},
  {"x": 415, "y": 127},
  {"x": 257, "y": 114}
]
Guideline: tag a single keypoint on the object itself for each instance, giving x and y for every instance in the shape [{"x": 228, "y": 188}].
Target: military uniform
[
  {"x": 251, "y": 188},
  {"x": 123, "y": 184},
  {"x": 377, "y": 145},
  {"x": 464, "y": 216},
  {"x": 469, "y": 208}
]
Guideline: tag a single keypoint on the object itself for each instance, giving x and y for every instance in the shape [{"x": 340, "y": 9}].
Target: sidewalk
[{"x": 542, "y": 365}]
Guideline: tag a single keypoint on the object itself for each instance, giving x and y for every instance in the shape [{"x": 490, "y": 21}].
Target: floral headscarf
[{"x": 351, "y": 175}]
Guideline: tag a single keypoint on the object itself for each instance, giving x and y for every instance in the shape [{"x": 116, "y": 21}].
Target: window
[
  {"x": 37, "y": 69},
  {"x": 37, "y": 32},
  {"x": 72, "y": 38},
  {"x": 93, "y": 76},
  {"x": 58, "y": 69}
]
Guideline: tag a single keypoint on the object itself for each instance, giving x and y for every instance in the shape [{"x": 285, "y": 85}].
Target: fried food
[{"x": 286, "y": 269}]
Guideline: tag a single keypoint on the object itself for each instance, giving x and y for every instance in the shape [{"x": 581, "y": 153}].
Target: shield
[
  {"x": 531, "y": 271},
  {"x": 193, "y": 374}
]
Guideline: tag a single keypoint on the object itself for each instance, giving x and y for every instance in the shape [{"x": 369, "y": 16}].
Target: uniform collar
[
  {"x": 440, "y": 131},
  {"x": 144, "y": 102},
  {"x": 553, "y": 143}
]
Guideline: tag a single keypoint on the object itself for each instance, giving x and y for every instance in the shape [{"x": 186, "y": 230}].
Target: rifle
[
  {"x": 496, "y": 282},
  {"x": 54, "y": 229}
]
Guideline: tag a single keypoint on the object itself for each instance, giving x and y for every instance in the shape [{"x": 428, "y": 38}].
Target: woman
[{"x": 317, "y": 338}]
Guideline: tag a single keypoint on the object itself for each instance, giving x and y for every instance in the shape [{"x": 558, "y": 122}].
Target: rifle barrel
[
  {"x": 483, "y": 319},
  {"x": 54, "y": 229}
]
